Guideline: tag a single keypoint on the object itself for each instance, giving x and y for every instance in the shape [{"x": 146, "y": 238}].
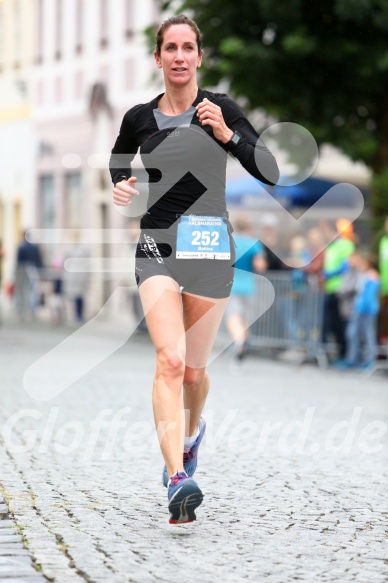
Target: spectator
[
  {"x": 335, "y": 264},
  {"x": 383, "y": 269},
  {"x": 348, "y": 289},
  {"x": 327, "y": 230},
  {"x": 317, "y": 241},
  {"x": 27, "y": 276},
  {"x": 270, "y": 240},
  {"x": 249, "y": 257},
  {"x": 362, "y": 328},
  {"x": 316, "y": 249},
  {"x": 293, "y": 303},
  {"x": 56, "y": 299},
  {"x": 76, "y": 282}
]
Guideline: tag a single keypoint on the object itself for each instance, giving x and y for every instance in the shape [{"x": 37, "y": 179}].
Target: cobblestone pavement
[{"x": 293, "y": 469}]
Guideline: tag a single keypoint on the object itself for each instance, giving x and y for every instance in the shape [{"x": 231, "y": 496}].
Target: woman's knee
[
  {"x": 169, "y": 364},
  {"x": 193, "y": 378}
]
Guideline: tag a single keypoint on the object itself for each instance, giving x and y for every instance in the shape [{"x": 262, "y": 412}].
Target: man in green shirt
[
  {"x": 383, "y": 269},
  {"x": 335, "y": 264}
]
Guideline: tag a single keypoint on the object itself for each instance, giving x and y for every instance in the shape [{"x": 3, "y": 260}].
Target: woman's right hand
[{"x": 124, "y": 192}]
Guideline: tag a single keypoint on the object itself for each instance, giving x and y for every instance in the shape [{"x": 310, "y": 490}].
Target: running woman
[{"x": 185, "y": 253}]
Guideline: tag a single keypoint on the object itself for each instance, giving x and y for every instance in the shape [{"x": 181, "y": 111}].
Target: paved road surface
[{"x": 293, "y": 470}]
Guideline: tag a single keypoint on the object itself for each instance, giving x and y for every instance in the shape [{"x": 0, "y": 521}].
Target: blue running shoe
[
  {"x": 184, "y": 496},
  {"x": 190, "y": 458}
]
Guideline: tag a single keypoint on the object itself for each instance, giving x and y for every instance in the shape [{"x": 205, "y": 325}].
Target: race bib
[{"x": 202, "y": 238}]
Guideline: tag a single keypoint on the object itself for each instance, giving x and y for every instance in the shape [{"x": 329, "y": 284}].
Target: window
[
  {"x": 129, "y": 74},
  {"x": 2, "y": 37},
  {"x": 58, "y": 29},
  {"x": 103, "y": 23},
  {"x": 79, "y": 90},
  {"x": 38, "y": 31},
  {"x": 73, "y": 200},
  {"x": 58, "y": 89},
  {"x": 46, "y": 199},
  {"x": 79, "y": 15},
  {"x": 129, "y": 18},
  {"x": 39, "y": 92},
  {"x": 17, "y": 28},
  {"x": 155, "y": 12},
  {"x": 103, "y": 74}
]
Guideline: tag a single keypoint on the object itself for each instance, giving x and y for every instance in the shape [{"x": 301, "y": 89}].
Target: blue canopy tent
[{"x": 247, "y": 192}]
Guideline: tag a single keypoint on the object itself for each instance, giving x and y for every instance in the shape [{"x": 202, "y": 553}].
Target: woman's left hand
[{"x": 211, "y": 114}]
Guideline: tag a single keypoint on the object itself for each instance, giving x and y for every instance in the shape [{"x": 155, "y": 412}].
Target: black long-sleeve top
[{"x": 185, "y": 168}]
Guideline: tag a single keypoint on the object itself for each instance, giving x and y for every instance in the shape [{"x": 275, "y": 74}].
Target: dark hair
[
  {"x": 181, "y": 19},
  {"x": 369, "y": 257},
  {"x": 242, "y": 224}
]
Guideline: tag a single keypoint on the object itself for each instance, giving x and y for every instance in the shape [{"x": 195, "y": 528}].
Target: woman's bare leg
[
  {"x": 183, "y": 329},
  {"x": 162, "y": 304},
  {"x": 237, "y": 327},
  {"x": 202, "y": 318}
]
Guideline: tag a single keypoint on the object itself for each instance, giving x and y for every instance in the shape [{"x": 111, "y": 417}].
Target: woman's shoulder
[{"x": 133, "y": 114}]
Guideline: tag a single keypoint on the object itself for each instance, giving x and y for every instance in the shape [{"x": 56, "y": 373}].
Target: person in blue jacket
[
  {"x": 362, "y": 327},
  {"x": 250, "y": 258}
]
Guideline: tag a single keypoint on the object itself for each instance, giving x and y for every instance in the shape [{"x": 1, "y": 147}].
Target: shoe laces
[
  {"x": 188, "y": 455},
  {"x": 191, "y": 452},
  {"x": 178, "y": 477}
]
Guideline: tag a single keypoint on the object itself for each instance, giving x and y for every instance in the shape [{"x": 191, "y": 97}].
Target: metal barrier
[
  {"x": 294, "y": 321},
  {"x": 382, "y": 360}
]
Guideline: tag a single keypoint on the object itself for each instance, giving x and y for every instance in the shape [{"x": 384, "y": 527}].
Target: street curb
[{"x": 16, "y": 562}]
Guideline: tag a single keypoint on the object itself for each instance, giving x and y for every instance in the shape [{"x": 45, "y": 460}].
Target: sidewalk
[{"x": 293, "y": 468}]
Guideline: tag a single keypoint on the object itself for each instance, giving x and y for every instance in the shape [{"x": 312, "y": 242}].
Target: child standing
[
  {"x": 362, "y": 327},
  {"x": 349, "y": 288}
]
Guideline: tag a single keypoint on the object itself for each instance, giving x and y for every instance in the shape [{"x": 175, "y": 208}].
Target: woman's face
[
  {"x": 179, "y": 56},
  {"x": 315, "y": 238},
  {"x": 297, "y": 244},
  {"x": 354, "y": 261}
]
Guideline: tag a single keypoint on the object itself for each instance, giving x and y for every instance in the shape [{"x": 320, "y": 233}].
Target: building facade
[
  {"x": 17, "y": 143},
  {"x": 86, "y": 64}
]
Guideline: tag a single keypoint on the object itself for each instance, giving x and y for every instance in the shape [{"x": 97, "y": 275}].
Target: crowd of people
[
  {"x": 352, "y": 281},
  {"x": 39, "y": 282}
]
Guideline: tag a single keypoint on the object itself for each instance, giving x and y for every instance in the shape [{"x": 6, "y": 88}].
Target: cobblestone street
[{"x": 293, "y": 469}]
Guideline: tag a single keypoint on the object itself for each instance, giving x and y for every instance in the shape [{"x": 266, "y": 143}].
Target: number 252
[{"x": 205, "y": 238}]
